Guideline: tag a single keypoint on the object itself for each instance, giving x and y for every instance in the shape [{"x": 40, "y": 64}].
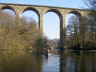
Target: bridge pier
[
  {"x": 63, "y": 33},
  {"x": 82, "y": 30},
  {"x": 41, "y": 24}
]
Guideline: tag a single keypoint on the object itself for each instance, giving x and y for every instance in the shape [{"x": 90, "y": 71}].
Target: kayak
[{"x": 47, "y": 54}]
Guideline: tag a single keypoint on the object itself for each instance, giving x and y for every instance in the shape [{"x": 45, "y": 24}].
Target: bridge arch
[
  {"x": 55, "y": 11},
  {"x": 8, "y": 7},
  {"x": 81, "y": 24},
  {"x": 76, "y": 13},
  {"x": 32, "y": 9},
  {"x": 59, "y": 14}
]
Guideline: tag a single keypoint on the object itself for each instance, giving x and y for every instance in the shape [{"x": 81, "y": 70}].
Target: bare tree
[
  {"x": 73, "y": 31},
  {"x": 91, "y": 22},
  {"x": 16, "y": 36}
]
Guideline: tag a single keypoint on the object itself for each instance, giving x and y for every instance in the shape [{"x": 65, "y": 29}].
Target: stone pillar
[
  {"x": 41, "y": 24},
  {"x": 18, "y": 19},
  {"x": 82, "y": 30},
  {"x": 63, "y": 33}
]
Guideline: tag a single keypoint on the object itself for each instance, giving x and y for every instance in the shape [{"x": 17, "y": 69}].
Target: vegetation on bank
[
  {"x": 15, "y": 34},
  {"x": 82, "y": 35},
  {"x": 22, "y": 34}
]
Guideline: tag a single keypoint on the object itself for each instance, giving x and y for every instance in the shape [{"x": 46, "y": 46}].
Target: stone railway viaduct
[{"x": 42, "y": 10}]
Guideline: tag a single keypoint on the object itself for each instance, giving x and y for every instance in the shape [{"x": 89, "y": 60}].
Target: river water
[{"x": 29, "y": 61}]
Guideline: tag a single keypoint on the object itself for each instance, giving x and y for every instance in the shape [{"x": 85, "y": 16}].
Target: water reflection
[
  {"x": 20, "y": 61},
  {"x": 29, "y": 61},
  {"x": 78, "y": 61},
  {"x": 51, "y": 64}
]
